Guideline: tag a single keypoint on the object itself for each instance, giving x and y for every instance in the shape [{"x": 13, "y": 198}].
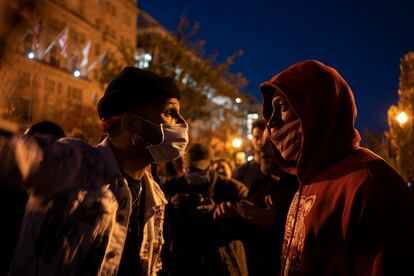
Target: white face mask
[
  {"x": 173, "y": 143},
  {"x": 197, "y": 178}
]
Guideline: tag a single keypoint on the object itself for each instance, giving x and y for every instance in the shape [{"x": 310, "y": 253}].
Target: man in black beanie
[{"x": 95, "y": 210}]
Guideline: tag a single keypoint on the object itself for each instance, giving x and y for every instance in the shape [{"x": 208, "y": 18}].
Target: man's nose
[{"x": 274, "y": 120}]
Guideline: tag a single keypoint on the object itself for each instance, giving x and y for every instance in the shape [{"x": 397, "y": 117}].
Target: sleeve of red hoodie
[{"x": 385, "y": 227}]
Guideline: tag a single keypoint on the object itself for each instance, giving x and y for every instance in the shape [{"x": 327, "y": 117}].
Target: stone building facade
[{"x": 52, "y": 65}]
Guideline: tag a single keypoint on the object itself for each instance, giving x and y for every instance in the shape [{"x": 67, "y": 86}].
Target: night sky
[{"x": 363, "y": 40}]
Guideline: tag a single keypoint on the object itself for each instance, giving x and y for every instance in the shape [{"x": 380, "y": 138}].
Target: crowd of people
[{"x": 147, "y": 201}]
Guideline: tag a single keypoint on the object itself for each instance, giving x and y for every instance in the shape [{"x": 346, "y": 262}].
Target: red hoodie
[{"x": 355, "y": 215}]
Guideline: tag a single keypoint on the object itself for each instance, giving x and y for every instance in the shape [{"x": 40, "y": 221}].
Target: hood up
[{"x": 326, "y": 107}]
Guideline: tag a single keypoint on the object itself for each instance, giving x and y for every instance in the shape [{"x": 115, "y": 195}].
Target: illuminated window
[
  {"x": 50, "y": 85},
  {"x": 25, "y": 79},
  {"x": 251, "y": 118},
  {"x": 59, "y": 88},
  {"x": 127, "y": 19},
  {"x": 74, "y": 93}
]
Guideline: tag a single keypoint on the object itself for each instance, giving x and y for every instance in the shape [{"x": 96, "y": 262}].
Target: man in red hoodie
[{"x": 352, "y": 213}]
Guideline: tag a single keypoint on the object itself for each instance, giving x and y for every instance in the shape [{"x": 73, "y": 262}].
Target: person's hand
[
  {"x": 207, "y": 206},
  {"x": 224, "y": 210},
  {"x": 263, "y": 217},
  {"x": 179, "y": 199}
]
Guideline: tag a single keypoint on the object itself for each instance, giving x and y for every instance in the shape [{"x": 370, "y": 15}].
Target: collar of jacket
[{"x": 154, "y": 197}]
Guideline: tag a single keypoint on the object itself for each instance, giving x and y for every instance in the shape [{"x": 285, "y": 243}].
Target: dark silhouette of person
[{"x": 17, "y": 198}]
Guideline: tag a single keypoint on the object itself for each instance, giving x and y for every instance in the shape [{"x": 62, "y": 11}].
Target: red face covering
[{"x": 288, "y": 140}]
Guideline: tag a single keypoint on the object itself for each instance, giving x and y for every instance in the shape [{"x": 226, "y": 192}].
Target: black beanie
[{"x": 133, "y": 87}]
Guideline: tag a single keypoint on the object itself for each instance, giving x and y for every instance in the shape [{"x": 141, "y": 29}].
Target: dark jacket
[
  {"x": 196, "y": 243},
  {"x": 248, "y": 173},
  {"x": 352, "y": 214},
  {"x": 263, "y": 247}
]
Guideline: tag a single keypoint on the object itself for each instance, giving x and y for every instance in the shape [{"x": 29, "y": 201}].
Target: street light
[
  {"x": 76, "y": 73},
  {"x": 402, "y": 118},
  {"x": 237, "y": 142},
  {"x": 148, "y": 57},
  {"x": 31, "y": 55}
]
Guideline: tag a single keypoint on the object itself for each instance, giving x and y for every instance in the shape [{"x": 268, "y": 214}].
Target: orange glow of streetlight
[
  {"x": 402, "y": 118},
  {"x": 237, "y": 142}
]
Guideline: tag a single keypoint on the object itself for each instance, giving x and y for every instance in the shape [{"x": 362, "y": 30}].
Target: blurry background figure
[
  {"x": 198, "y": 204},
  {"x": 249, "y": 172},
  {"x": 224, "y": 166},
  {"x": 50, "y": 129},
  {"x": 163, "y": 173},
  {"x": 12, "y": 196},
  {"x": 266, "y": 209},
  {"x": 79, "y": 134}
]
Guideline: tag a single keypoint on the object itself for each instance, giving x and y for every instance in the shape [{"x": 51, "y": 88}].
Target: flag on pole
[
  {"x": 100, "y": 60},
  {"x": 63, "y": 39},
  {"x": 36, "y": 35},
  {"x": 31, "y": 38},
  {"x": 103, "y": 56},
  {"x": 85, "y": 53}
]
